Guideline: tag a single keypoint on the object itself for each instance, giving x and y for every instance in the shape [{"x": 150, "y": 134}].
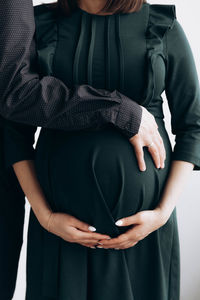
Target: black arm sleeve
[
  {"x": 47, "y": 101},
  {"x": 183, "y": 94},
  {"x": 18, "y": 142}
]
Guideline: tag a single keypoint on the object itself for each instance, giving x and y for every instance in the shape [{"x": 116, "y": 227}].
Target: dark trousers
[{"x": 11, "y": 231}]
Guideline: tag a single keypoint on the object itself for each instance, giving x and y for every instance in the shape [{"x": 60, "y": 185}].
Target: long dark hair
[{"x": 112, "y": 6}]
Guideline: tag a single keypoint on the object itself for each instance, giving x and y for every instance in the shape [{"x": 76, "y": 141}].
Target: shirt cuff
[{"x": 129, "y": 117}]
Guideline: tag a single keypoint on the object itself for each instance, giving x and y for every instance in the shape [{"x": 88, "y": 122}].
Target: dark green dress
[{"x": 93, "y": 174}]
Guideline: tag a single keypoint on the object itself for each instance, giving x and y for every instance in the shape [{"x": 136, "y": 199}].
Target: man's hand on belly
[{"x": 149, "y": 136}]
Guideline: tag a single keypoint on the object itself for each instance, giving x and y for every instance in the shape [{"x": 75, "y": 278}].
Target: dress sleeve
[
  {"x": 183, "y": 95},
  {"x": 45, "y": 101},
  {"x": 18, "y": 142}
]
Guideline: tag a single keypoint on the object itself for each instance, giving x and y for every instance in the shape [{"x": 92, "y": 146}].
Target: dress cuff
[
  {"x": 13, "y": 156},
  {"x": 188, "y": 157}
]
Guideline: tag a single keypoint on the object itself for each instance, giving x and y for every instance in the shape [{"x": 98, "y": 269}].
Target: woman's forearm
[
  {"x": 177, "y": 179},
  {"x": 26, "y": 174}
]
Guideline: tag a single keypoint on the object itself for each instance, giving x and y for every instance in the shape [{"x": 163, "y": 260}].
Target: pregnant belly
[{"x": 94, "y": 175}]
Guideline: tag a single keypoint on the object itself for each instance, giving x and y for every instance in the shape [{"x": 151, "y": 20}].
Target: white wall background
[{"x": 189, "y": 204}]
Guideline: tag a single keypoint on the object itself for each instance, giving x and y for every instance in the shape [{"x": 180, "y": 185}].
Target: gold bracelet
[{"x": 48, "y": 223}]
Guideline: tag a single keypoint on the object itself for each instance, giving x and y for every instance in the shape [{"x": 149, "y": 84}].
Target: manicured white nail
[
  {"x": 93, "y": 247},
  {"x": 119, "y": 223},
  {"x": 99, "y": 247},
  {"x": 91, "y": 228},
  {"x": 116, "y": 248}
]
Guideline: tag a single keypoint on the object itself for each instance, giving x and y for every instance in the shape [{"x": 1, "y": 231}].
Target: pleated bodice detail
[{"x": 102, "y": 51}]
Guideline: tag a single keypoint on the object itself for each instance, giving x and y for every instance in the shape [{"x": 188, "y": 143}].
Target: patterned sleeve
[
  {"x": 183, "y": 95},
  {"x": 28, "y": 98}
]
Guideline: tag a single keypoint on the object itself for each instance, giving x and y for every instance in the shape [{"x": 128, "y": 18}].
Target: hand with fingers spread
[
  {"x": 149, "y": 136},
  {"x": 144, "y": 222},
  {"x": 73, "y": 230}
]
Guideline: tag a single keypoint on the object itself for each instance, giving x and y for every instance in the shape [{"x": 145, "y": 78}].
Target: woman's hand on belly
[
  {"x": 147, "y": 221},
  {"x": 144, "y": 222},
  {"x": 73, "y": 230},
  {"x": 149, "y": 136}
]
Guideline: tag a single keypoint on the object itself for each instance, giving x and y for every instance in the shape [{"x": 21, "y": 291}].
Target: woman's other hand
[
  {"x": 149, "y": 136},
  {"x": 144, "y": 222},
  {"x": 73, "y": 230}
]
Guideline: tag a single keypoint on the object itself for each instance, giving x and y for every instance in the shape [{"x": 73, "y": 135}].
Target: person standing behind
[{"x": 28, "y": 97}]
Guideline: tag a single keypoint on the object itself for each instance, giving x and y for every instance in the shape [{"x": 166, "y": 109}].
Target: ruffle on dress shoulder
[
  {"x": 161, "y": 19},
  {"x": 46, "y": 37}
]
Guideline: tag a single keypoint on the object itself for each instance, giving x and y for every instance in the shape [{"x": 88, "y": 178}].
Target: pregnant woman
[
  {"x": 78, "y": 181},
  {"x": 44, "y": 100}
]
